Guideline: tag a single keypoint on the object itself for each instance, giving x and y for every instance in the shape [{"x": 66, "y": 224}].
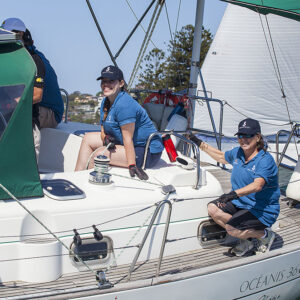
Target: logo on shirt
[
  {"x": 252, "y": 169},
  {"x": 235, "y": 161},
  {"x": 39, "y": 79}
]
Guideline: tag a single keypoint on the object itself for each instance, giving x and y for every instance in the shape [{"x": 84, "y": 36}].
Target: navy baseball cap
[
  {"x": 112, "y": 73},
  {"x": 13, "y": 24},
  {"x": 248, "y": 126}
]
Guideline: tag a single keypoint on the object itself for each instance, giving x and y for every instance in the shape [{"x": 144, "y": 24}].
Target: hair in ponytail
[
  {"x": 106, "y": 108},
  {"x": 261, "y": 143}
]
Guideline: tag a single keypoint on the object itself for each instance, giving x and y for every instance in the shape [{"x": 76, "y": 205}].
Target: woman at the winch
[
  {"x": 250, "y": 209},
  {"x": 125, "y": 128}
]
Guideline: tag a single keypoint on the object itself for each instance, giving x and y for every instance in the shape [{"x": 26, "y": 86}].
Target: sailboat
[{"x": 64, "y": 237}]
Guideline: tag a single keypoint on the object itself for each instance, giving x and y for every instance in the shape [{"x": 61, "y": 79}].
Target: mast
[{"x": 195, "y": 64}]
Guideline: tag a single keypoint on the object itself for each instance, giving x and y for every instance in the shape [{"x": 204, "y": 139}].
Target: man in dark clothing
[
  {"x": 51, "y": 106},
  {"x": 16, "y": 25}
]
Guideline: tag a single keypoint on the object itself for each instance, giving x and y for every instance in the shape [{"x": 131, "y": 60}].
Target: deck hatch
[{"x": 61, "y": 189}]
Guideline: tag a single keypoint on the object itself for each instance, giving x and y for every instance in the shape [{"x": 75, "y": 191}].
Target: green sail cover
[
  {"x": 18, "y": 167},
  {"x": 285, "y": 8}
]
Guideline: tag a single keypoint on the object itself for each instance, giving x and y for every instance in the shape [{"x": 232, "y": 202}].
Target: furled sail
[{"x": 240, "y": 68}]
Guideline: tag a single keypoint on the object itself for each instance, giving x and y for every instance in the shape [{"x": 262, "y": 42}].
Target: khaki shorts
[{"x": 47, "y": 117}]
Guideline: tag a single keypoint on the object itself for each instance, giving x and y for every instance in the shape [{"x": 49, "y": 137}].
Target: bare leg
[
  {"x": 117, "y": 156},
  {"x": 222, "y": 218},
  {"x": 218, "y": 215},
  {"x": 244, "y": 234},
  {"x": 91, "y": 141}
]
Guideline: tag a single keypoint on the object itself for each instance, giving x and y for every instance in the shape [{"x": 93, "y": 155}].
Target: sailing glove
[
  {"x": 227, "y": 197},
  {"x": 140, "y": 173},
  {"x": 194, "y": 139},
  {"x": 110, "y": 140}
]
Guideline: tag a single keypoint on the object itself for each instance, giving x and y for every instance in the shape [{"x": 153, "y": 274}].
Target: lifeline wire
[
  {"x": 43, "y": 225},
  {"x": 122, "y": 176},
  {"x": 134, "y": 246},
  {"x": 133, "y": 213},
  {"x": 128, "y": 215},
  {"x": 284, "y": 124}
]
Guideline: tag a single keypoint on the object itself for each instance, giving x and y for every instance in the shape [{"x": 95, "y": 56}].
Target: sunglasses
[{"x": 245, "y": 136}]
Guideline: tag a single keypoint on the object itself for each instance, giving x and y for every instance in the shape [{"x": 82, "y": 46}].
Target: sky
[{"x": 66, "y": 33}]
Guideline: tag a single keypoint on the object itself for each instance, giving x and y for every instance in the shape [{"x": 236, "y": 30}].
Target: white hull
[
  {"x": 275, "y": 278},
  {"x": 30, "y": 255}
]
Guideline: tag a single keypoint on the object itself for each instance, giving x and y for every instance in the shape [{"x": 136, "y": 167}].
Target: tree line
[{"x": 171, "y": 69}]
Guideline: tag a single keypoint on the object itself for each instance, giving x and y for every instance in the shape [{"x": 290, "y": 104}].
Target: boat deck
[{"x": 174, "y": 267}]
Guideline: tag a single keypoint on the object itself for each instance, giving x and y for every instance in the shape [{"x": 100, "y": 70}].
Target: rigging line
[
  {"x": 226, "y": 103},
  {"x": 268, "y": 46},
  {"x": 177, "y": 16},
  {"x": 143, "y": 45},
  {"x": 148, "y": 39},
  {"x": 45, "y": 227},
  {"x": 170, "y": 30},
  {"x": 173, "y": 39},
  {"x": 280, "y": 81},
  {"x": 140, "y": 24}
]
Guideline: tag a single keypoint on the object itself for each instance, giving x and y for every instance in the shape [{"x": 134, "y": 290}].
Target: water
[{"x": 284, "y": 177}]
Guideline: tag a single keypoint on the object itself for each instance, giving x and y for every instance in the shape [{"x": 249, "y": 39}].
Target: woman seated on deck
[
  {"x": 252, "y": 206},
  {"x": 125, "y": 125}
]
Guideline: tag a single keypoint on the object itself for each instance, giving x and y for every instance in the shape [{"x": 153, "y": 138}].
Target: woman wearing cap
[
  {"x": 250, "y": 209},
  {"x": 125, "y": 125}
]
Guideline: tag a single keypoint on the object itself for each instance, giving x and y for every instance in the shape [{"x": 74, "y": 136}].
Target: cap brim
[
  {"x": 108, "y": 77},
  {"x": 246, "y": 132}
]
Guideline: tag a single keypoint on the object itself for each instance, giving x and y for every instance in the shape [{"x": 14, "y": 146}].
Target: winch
[{"x": 100, "y": 174}]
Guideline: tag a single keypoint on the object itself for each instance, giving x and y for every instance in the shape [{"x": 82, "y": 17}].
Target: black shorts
[{"x": 242, "y": 219}]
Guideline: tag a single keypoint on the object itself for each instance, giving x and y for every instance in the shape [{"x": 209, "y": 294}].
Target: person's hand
[
  {"x": 108, "y": 139},
  {"x": 223, "y": 199},
  {"x": 140, "y": 173},
  {"x": 196, "y": 140}
]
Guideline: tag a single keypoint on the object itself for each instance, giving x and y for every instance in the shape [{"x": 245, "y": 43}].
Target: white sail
[{"x": 240, "y": 70}]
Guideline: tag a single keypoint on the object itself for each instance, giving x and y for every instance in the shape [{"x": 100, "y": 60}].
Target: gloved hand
[
  {"x": 110, "y": 140},
  {"x": 140, "y": 173},
  {"x": 227, "y": 197},
  {"x": 195, "y": 140}
]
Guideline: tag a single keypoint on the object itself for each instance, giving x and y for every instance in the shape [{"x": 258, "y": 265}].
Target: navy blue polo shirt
[
  {"x": 126, "y": 110},
  {"x": 265, "y": 204}
]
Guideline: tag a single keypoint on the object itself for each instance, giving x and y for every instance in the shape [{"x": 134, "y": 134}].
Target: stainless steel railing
[
  {"x": 180, "y": 136},
  {"x": 141, "y": 246},
  {"x": 281, "y": 155},
  {"x": 67, "y": 103}
]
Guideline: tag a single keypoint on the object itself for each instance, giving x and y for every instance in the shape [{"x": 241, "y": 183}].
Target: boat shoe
[
  {"x": 264, "y": 244},
  {"x": 242, "y": 248}
]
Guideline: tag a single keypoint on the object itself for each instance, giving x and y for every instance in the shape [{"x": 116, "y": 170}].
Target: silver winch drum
[{"x": 100, "y": 174}]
